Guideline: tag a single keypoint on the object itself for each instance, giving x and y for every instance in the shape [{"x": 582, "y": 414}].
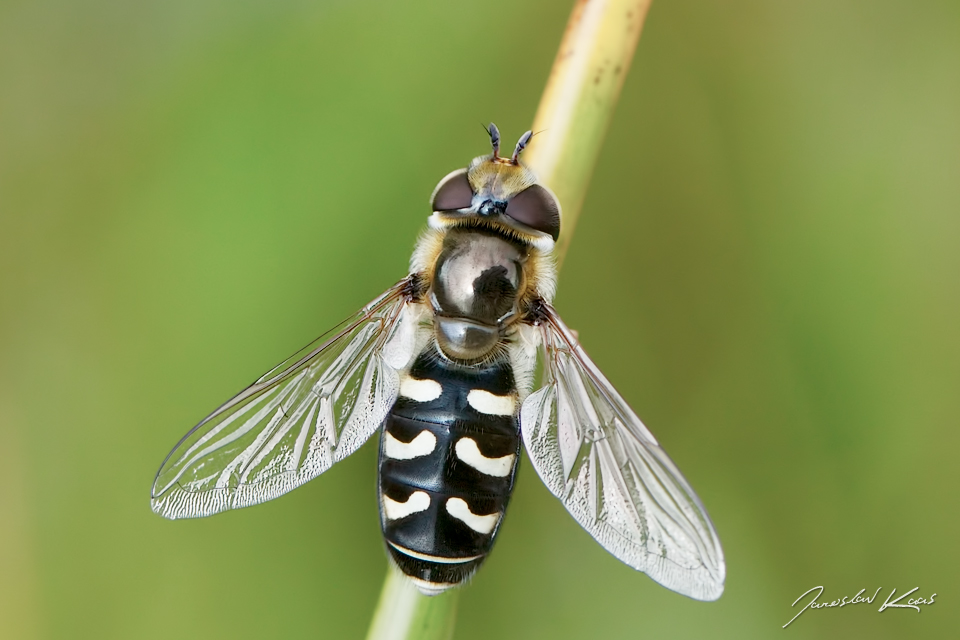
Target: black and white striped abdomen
[{"x": 448, "y": 459}]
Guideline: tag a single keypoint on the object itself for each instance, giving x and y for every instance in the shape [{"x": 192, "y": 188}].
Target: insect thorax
[{"x": 477, "y": 280}]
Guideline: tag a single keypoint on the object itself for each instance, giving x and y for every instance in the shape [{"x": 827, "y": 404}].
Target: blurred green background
[{"x": 767, "y": 268}]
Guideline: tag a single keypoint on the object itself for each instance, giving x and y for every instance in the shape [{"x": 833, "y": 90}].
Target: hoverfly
[{"x": 443, "y": 364}]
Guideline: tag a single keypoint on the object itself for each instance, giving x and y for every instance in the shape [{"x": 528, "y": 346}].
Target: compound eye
[
  {"x": 452, "y": 193},
  {"x": 537, "y": 208}
]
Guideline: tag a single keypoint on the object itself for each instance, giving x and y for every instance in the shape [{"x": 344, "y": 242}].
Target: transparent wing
[
  {"x": 594, "y": 454},
  {"x": 297, "y": 420}
]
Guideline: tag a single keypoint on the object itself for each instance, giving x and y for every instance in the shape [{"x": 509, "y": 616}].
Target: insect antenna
[
  {"x": 494, "y": 140},
  {"x": 521, "y": 145}
]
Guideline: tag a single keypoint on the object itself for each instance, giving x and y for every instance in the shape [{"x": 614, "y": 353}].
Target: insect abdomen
[{"x": 448, "y": 459}]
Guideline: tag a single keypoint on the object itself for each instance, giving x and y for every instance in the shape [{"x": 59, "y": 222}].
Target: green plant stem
[
  {"x": 574, "y": 114},
  {"x": 578, "y": 102},
  {"x": 403, "y": 613}
]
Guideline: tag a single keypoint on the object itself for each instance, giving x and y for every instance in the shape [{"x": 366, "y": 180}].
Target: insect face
[{"x": 498, "y": 192}]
